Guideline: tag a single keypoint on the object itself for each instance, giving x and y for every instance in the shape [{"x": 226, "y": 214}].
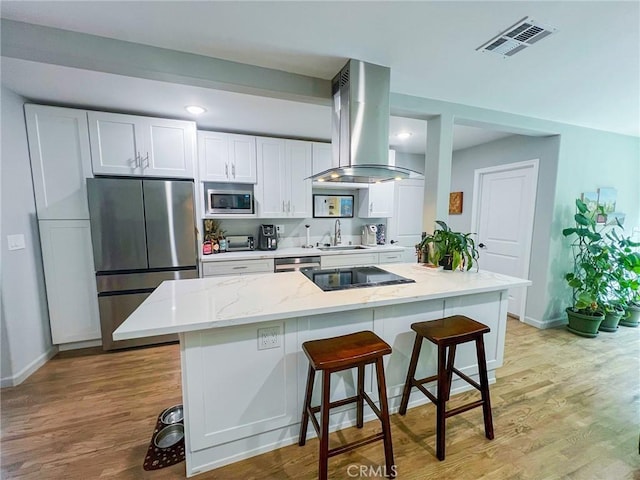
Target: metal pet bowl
[
  {"x": 169, "y": 436},
  {"x": 172, "y": 415}
]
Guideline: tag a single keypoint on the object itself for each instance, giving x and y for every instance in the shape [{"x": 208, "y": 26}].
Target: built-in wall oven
[{"x": 291, "y": 264}]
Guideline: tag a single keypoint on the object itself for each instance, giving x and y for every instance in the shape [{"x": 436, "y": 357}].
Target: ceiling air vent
[{"x": 517, "y": 37}]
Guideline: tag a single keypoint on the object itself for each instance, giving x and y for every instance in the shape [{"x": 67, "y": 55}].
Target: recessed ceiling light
[
  {"x": 195, "y": 109},
  {"x": 403, "y": 135}
]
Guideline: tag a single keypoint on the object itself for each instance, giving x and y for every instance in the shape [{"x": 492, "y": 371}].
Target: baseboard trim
[
  {"x": 23, "y": 374},
  {"x": 63, "y": 347},
  {"x": 552, "y": 323}
]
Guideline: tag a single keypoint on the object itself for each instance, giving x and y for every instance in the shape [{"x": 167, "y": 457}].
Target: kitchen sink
[{"x": 342, "y": 247}]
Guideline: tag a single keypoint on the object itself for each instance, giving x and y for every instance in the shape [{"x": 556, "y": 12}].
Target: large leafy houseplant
[
  {"x": 625, "y": 285},
  {"x": 590, "y": 276},
  {"x": 450, "y": 249}
]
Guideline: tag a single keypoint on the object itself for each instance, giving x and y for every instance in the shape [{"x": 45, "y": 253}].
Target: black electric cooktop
[{"x": 354, "y": 277}]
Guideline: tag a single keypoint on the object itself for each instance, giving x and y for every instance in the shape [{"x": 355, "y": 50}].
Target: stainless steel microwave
[{"x": 229, "y": 201}]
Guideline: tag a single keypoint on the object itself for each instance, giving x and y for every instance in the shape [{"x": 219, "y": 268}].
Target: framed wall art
[{"x": 455, "y": 203}]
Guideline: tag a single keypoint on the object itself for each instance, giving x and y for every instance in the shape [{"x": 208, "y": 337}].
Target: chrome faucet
[{"x": 337, "y": 238}]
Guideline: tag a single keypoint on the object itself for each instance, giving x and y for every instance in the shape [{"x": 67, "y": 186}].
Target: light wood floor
[{"x": 563, "y": 407}]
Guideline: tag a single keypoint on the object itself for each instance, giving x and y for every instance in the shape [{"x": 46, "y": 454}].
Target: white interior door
[{"x": 503, "y": 211}]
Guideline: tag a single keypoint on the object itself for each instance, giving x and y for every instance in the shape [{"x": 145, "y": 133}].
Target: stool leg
[
  {"x": 386, "y": 424},
  {"x": 324, "y": 429},
  {"x": 360, "y": 403},
  {"x": 484, "y": 384},
  {"x": 408, "y": 384},
  {"x": 305, "y": 408},
  {"x": 440, "y": 405},
  {"x": 450, "y": 361}
]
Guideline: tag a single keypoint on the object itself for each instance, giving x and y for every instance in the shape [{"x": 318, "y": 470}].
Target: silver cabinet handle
[
  {"x": 370, "y": 207},
  {"x": 289, "y": 206},
  {"x": 226, "y": 170},
  {"x": 239, "y": 268},
  {"x": 233, "y": 170},
  {"x": 146, "y": 161},
  {"x": 283, "y": 206}
]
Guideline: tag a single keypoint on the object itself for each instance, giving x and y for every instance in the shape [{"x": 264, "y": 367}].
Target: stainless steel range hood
[{"x": 360, "y": 127}]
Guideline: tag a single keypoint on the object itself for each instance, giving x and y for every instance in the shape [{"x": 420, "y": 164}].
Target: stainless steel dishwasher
[{"x": 291, "y": 264}]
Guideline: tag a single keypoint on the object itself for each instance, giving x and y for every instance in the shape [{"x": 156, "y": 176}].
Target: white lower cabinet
[
  {"x": 237, "y": 267},
  {"x": 67, "y": 256},
  {"x": 350, "y": 260},
  {"x": 391, "y": 257}
]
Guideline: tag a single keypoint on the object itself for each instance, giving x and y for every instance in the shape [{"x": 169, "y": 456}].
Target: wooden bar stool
[
  {"x": 333, "y": 355},
  {"x": 448, "y": 333}
]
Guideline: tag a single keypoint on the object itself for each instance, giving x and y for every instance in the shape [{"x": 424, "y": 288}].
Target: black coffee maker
[{"x": 267, "y": 237}]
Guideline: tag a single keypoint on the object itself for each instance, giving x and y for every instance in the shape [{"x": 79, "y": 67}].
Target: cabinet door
[
  {"x": 60, "y": 161},
  {"x": 242, "y": 158},
  {"x": 376, "y": 201},
  {"x": 116, "y": 143},
  {"x": 169, "y": 148},
  {"x": 322, "y": 155},
  {"x": 298, "y": 163},
  {"x": 272, "y": 185},
  {"x": 70, "y": 282},
  {"x": 405, "y": 226},
  {"x": 213, "y": 156}
]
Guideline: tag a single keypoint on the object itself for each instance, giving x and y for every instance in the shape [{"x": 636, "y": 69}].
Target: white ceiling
[{"x": 574, "y": 76}]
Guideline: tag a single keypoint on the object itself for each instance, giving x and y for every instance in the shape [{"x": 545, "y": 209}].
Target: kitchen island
[{"x": 243, "y": 371}]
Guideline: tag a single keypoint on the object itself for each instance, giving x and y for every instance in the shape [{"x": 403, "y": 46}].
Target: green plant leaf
[
  {"x": 581, "y": 206},
  {"x": 581, "y": 219}
]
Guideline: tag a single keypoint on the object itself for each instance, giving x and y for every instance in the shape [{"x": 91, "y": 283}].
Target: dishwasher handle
[{"x": 292, "y": 264}]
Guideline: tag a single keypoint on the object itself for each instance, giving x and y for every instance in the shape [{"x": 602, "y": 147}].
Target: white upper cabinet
[
  {"x": 376, "y": 201},
  {"x": 60, "y": 161},
  {"x": 405, "y": 226},
  {"x": 322, "y": 154},
  {"x": 282, "y": 189},
  {"x": 225, "y": 157},
  {"x": 132, "y": 145},
  {"x": 298, "y": 155}
]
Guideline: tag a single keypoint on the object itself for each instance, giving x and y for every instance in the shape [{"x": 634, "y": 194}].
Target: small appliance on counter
[
  {"x": 381, "y": 234},
  {"x": 239, "y": 243},
  {"x": 267, "y": 237},
  {"x": 369, "y": 232}
]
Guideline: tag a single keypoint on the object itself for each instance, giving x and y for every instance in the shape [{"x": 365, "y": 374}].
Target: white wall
[
  {"x": 588, "y": 159},
  {"x": 412, "y": 161},
  {"x": 512, "y": 149},
  {"x": 26, "y": 338}
]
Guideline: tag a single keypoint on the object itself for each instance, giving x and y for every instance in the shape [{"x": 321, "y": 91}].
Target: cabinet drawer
[
  {"x": 237, "y": 267},
  {"x": 330, "y": 261},
  {"x": 391, "y": 257}
]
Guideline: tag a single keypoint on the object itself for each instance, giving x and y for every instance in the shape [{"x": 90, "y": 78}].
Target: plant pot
[
  {"x": 446, "y": 262},
  {"x": 611, "y": 320},
  {"x": 584, "y": 325},
  {"x": 631, "y": 317}
]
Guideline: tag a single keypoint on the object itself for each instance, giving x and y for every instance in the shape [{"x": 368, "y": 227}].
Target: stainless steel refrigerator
[{"x": 143, "y": 232}]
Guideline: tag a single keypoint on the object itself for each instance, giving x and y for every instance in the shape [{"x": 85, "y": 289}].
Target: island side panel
[{"x": 241, "y": 401}]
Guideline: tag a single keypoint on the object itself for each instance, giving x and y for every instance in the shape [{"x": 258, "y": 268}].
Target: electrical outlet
[
  {"x": 280, "y": 229},
  {"x": 268, "y": 337}
]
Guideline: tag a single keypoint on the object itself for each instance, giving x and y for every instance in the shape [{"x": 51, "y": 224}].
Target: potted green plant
[
  {"x": 451, "y": 250},
  {"x": 625, "y": 273},
  {"x": 588, "y": 280}
]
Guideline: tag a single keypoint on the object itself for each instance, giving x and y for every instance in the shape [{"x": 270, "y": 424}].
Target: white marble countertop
[
  {"x": 189, "y": 305},
  {"x": 294, "y": 252}
]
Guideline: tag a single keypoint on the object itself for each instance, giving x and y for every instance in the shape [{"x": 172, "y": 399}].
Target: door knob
[{"x": 482, "y": 245}]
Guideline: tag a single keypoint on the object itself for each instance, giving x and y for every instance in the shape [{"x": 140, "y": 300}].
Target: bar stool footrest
[
  {"x": 463, "y": 408},
  {"x": 353, "y": 445}
]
